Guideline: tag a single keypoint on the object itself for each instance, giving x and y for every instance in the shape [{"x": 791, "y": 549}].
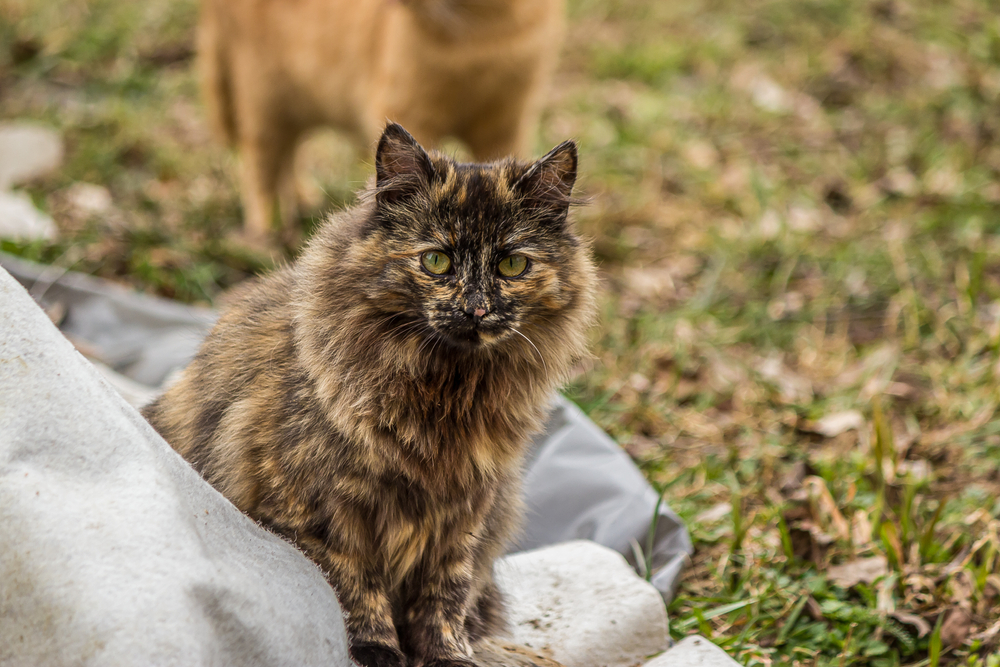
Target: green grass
[{"x": 796, "y": 208}]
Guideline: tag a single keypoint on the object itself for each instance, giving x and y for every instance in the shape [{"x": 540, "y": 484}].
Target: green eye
[
  {"x": 437, "y": 263},
  {"x": 513, "y": 265}
]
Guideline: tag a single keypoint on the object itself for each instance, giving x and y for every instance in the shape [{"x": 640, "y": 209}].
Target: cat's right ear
[
  {"x": 547, "y": 185},
  {"x": 402, "y": 167}
]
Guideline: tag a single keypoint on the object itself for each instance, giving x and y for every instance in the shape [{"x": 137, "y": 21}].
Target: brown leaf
[
  {"x": 714, "y": 513},
  {"x": 724, "y": 373},
  {"x": 640, "y": 447},
  {"x": 861, "y": 529},
  {"x": 828, "y": 514},
  {"x": 922, "y": 626},
  {"x": 650, "y": 282},
  {"x": 989, "y": 633},
  {"x": 947, "y": 433},
  {"x": 792, "y": 480},
  {"x": 836, "y": 423},
  {"x": 814, "y": 610},
  {"x": 793, "y": 387},
  {"x": 700, "y": 154},
  {"x": 853, "y": 572},
  {"x": 956, "y": 627},
  {"x": 962, "y": 586}
]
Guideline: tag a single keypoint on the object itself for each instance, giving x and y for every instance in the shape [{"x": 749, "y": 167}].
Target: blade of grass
[
  {"x": 934, "y": 646},
  {"x": 793, "y": 618},
  {"x": 651, "y": 536},
  {"x": 714, "y": 613}
]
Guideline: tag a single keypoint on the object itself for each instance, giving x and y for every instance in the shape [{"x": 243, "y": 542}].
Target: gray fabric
[
  {"x": 113, "y": 551},
  {"x": 142, "y": 337},
  {"x": 579, "y": 484}
]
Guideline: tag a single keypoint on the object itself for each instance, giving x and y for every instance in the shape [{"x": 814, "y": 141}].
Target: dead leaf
[
  {"x": 853, "y": 572},
  {"x": 724, "y": 373},
  {"x": 793, "y": 387},
  {"x": 992, "y": 586},
  {"x": 714, "y": 513},
  {"x": 803, "y": 218},
  {"x": 899, "y": 389},
  {"x": 814, "y": 610},
  {"x": 861, "y": 529},
  {"x": 943, "y": 70},
  {"x": 943, "y": 435},
  {"x": 700, "y": 154},
  {"x": 956, "y": 628},
  {"x": 86, "y": 199},
  {"x": 922, "y": 626},
  {"x": 989, "y": 633},
  {"x": 650, "y": 282},
  {"x": 832, "y": 425},
  {"x": 639, "y": 382},
  {"x": 827, "y": 512},
  {"x": 900, "y": 181},
  {"x": 640, "y": 447},
  {"x": 963, "y": 588},
  {"x": 735, "y": 178},
  {"x": 766, "y": 94},
  {"x": 885, "y": 592},
  {"x": 919, "y": 470},
  {"x": 769, "y": 225},
  {"x": 792, "y": 480}
]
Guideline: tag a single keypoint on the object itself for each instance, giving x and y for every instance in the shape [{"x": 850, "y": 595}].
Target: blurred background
[{"x": 795, "y": 205}]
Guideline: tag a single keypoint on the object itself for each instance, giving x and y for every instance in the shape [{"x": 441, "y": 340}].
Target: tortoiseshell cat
[{"x": 372, "y": 401}]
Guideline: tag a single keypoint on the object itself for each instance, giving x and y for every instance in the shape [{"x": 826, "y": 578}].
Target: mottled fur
[
  {"x": 272, "y": 69},
  {"x": 375, "y": 413}
]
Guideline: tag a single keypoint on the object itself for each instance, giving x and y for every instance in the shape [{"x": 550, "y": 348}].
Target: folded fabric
[{"x": 113, "y": 551}]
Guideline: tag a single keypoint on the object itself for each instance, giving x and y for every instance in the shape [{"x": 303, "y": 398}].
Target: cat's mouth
[{"x": 473, "y": 336}]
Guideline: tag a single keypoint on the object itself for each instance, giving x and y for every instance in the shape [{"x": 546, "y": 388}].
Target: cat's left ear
[
  {"x": 402, "y": 167},
  {"x": 548, "y": 184}
]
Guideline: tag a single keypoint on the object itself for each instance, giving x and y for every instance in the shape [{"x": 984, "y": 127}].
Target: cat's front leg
[
  {"x": 367, "y": 611},
  {"x": 434, "y": 630}
]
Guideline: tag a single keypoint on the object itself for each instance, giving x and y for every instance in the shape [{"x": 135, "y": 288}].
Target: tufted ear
[
  {"x": 402, "y": 167},
  {"x": 548, "y": 183}
]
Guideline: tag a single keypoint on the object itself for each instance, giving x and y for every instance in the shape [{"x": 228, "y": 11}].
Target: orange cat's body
[{"x": 272, "y": 69}]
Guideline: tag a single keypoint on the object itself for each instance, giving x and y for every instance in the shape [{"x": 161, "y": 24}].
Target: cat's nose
[{"x": 476, "y": 311}]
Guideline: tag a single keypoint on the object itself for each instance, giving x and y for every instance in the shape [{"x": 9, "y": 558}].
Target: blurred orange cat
[{"x": 475, "y": 70}]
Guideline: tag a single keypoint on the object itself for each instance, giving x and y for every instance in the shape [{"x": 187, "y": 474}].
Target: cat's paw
[{"x": 377, "y": 655}]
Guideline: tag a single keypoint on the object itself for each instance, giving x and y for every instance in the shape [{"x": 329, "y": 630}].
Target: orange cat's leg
[
  {"x": 288, "y": 194},
  {"x": 266, "y": 141},
  {"x": 267, "y": 181}
]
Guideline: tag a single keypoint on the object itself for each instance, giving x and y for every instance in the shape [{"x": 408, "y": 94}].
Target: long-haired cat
[
  {"x": 372, "y": 401},
  {"x": 272, "y": 69}
]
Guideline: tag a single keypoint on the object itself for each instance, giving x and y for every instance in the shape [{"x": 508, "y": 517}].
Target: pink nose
[{"x": 479, "y": 312}]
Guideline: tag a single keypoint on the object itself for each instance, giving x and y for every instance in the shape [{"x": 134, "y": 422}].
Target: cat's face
[{"x": 473, "y": 255}]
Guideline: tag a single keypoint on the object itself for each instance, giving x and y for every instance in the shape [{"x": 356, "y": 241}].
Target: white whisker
[{"x": 540, "y": 357}]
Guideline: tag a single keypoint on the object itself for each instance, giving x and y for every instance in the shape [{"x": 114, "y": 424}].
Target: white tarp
[{"x": 113, "y": 551}]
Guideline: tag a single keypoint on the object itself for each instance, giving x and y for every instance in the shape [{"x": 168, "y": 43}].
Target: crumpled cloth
[{"x": 113, "y": 550}]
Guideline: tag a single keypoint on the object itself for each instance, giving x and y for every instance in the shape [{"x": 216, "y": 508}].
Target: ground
[{"x": 796, "y": 209}]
